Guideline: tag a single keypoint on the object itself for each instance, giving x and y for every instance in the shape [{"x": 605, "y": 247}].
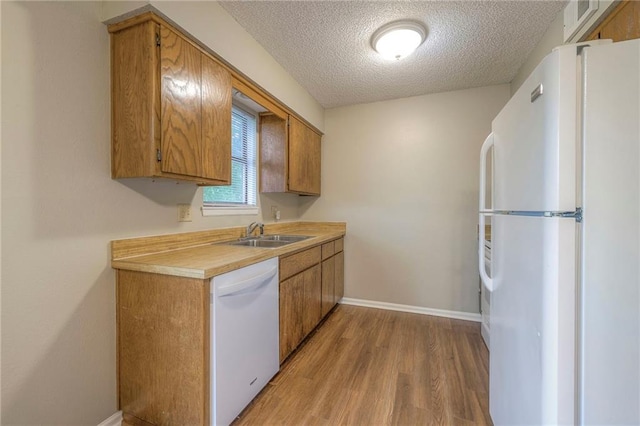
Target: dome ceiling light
[{"x": 398, "y": 39}]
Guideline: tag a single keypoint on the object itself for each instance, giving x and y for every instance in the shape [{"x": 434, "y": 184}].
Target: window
[{"x": 240, "y": 196}]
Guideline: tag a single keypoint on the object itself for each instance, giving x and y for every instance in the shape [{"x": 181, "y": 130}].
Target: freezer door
[
  {"x": 610, "y": 316},
  {"x": 535, "y": 139},
  {"x": 532, "y": 320}
]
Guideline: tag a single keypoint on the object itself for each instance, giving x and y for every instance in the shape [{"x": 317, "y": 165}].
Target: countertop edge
[{"x": 243, "y": 256}]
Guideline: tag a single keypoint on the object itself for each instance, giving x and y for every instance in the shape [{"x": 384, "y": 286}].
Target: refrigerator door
[
  {"x": 535, "y": 139},
  {"x": 610, "y": 293},
  {"x": 532, "y": 320}
]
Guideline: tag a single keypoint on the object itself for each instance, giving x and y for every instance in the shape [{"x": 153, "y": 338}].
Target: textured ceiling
[{"x": 325, "y": 45}]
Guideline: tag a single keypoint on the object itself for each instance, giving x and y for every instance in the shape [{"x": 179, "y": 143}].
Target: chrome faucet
[{"x": 252, "y": 227}]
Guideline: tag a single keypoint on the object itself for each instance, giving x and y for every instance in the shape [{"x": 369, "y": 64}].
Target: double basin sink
[{"x": 267, "y": 241}]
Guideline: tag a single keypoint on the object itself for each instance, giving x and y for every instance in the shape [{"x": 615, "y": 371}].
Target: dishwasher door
[{"x": 244, "y": 336}]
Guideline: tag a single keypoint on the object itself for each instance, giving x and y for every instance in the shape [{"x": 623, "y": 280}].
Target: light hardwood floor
[{"x": 367, "y": 366}]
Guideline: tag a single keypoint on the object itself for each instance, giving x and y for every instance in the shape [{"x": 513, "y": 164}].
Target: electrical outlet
[
  {"x": 184, "y": 212},
  {"x": 275, "y": 213}
]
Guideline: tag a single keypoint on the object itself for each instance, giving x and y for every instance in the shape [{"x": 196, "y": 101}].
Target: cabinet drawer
[
  {"x": 339, "y": 245},
  {"x": 328, "y": 250},
  {"x": 298, "y": 262}
]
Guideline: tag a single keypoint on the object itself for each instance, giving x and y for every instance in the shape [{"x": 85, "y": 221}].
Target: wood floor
[{"x": 367, "y": 366}]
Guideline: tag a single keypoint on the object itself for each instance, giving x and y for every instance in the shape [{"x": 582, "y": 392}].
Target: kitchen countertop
[{"x": 200, "y": 254}]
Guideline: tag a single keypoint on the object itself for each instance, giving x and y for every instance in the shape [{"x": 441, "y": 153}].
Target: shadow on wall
[
  {"x": 306, "y": 202},
  {"x": 162, "y": 192},
  {"x": 69, "y": 170},
  {"x": 36, "y": 397}
]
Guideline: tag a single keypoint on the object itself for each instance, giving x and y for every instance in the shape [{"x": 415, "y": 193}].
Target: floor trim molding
[
  {"x": 467, "y": 316},
  {"x": 114, "y": 420}
]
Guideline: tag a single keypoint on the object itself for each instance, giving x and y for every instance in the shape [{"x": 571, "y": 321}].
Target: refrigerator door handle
[
  {"x": 487, "y": 281},
  {"x": 488, "y": 143}
]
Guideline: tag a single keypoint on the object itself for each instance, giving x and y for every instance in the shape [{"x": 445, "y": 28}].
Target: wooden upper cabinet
[
  {"x": 216, "y": 120},
  {"x": 171, "y": 107},
  {"x": 273, "y": 153},
  {"x": 623, "y": 23},
  {"x": 289, "y": 156},
  {"x": 304, "y": 158},
  {"x": 181, "y": 103}
]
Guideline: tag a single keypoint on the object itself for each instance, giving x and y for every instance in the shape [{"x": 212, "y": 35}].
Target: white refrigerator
[{"x": 565, "y": 260}]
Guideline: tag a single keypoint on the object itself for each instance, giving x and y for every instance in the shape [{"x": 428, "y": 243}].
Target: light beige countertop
[{"x": 200, "y": 254}]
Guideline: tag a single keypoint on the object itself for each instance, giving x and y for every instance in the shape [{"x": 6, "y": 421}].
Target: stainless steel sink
[
  {"x": 288, "y": 238},
  {"x": 259, "y": 243},
  {"x": 268, "y": 241}
]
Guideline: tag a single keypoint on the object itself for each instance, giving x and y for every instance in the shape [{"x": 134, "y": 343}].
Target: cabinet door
[
  {"x": 216, "y": 121},
  {"x": 312, "y": 310},
  {"x": 339, "y": 276},
  {"x": 134, "y": 69},
  {"x": 291, "y": 308},
  {"x": 273, "y": 153},
  {"x": 328, "y": 284},
  {"x": 163, "y": 348},
  {"x": 180, "y": 98},
  {"x": 623, "y": 23},
  {"x": 304, "y": 158}
]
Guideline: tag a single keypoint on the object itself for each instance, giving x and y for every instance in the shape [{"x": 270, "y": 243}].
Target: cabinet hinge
[
  {"x": 157, "y": 39},
  {"x": 158, "y": 155}
]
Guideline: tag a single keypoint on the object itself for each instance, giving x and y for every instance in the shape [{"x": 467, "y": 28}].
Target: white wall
[
  {"x": 60, "y": 209},
  {"x": 403, "y": 174},
  {"x": 0, "y": 231},
  {"x": 552, "y": 37}
]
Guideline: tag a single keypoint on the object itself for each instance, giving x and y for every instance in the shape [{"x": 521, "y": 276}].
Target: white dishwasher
[{"x": 244, "y": 337}]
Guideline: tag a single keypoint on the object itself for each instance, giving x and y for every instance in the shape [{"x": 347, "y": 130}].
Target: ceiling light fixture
[{"x": 398, "y": 39}]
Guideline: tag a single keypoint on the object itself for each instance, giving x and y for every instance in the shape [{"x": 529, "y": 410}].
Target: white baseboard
[
  {"x": 114, "y": 420},
  {"x": 467, "y": 316}
]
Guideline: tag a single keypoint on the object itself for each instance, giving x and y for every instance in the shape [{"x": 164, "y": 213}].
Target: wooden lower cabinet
[
  {"x": 300, "y": 308},
  {"x": 163, "y": 333},
  {"x": 291, "y": 306},
  {"x": 300, "y": 298},
  {"x": 312, "y": 312},
  {"x": 328, "y": 284},
  {"x": 163, "y": 348},
  {"x": 339, "y": 277},
  {"x": 312, "y": 282},
  {"x": 332, "y": 274}
]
